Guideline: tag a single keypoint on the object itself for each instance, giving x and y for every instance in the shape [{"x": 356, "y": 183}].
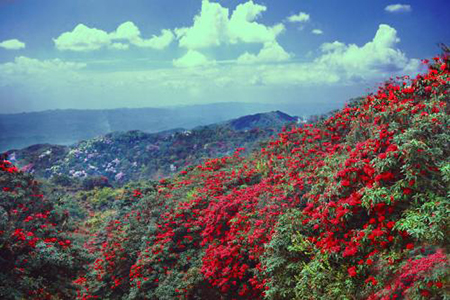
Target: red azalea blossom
[{"x": 352, "y": 271}]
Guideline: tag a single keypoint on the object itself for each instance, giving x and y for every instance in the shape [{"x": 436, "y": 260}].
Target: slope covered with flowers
[
  {"x": 38, "y": 258},
  {"x": 354, "y": 207}
]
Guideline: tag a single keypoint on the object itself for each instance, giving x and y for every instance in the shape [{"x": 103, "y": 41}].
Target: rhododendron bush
[
  {"x": 37, "y": 257},
  {"x": 353, "y": 207}
]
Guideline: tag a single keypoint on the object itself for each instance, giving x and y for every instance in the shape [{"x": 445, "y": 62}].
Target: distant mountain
[
  {"x": 133, "y": 155},
  {"x": 262, "y": 120},
  {"x": 65, "y": 127}
]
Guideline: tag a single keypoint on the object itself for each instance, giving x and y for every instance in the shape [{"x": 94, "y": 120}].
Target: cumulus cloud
[
  {"x": 157, "y": 42},
  {"x": 338, "y": 64},
  {"x": 301, "y": 17},
  {"x": 210, "y": 28},
  {"x": 84, "y": 38},
  {"x": 271, "y": 52},
  {"x": 395, "y": 8},
  {"x": 119, "y": 46},
  {"x": 213, "y": 26},
  {"x": 193, "y": 59},
  {"x": 26, "y": 65},
  {"x": 317, "y": 31},
  {"x": 244, "y": 28},
  {"x": 377, "y": 57},
  {"x": 13, "y": 44},
  {"x": 38, "y": 73},
  {"x": 128, "y": 31}
]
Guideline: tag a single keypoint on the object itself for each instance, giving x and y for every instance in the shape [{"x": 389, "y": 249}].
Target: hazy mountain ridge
[
  {"x": 261, "y": 120},
  {"x": 69, "y": 126},
  {"x": 132, "y": 155}
]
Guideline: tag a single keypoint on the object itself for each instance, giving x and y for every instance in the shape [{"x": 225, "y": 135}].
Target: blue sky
[{"x": 140, "y": 53}]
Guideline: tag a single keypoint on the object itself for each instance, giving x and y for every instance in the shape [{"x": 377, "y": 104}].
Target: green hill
[
  {"x": 65, "y": 127},
  {"x": 134, "y": 155}
]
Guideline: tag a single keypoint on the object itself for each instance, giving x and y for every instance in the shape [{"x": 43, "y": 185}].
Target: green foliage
[
  {"x": 39, "y": 258},
  {"x": 429, "y": 222},
  {"x": 284, "y": 258},
  {"x": 121, "y": 157}
]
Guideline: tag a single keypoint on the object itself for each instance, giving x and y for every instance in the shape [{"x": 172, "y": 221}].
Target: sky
[{"x": 97, "y": 54}]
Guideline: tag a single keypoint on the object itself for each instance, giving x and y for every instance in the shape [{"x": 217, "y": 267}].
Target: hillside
[
  {"x": 352, "y": 207},
  {"x": 69, "y": 126},
  {"x": 133, "y": 155},
  {"x": 276, "y": 119}
]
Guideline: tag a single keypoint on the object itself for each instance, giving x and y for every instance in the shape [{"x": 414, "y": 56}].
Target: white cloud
[
  {"x": 304, "y": 74},
  {"x": 157, "y": 42},
  {"x": 193, "y": 59},
  {"x": 13, "y": 44},
  {"x": 38, "y": 73},
  {"x": 317, "y": 31},
  {"x": 119, "y": 46},
  {"x": 214, "y": 27},
  {"x": 209, "y": 29},
  {"x": 83, "y": 38},
  {"x": 128, "y": 31},
  {"x": 301, "y": 17},
  {"x": 198, "y": 76},
  {"x": 393, "y": 8},
  {"x": 26, "y": 65},
  {"x": 271, "y": 52},
  {"x": 244, "y": 28},
  {"x": 378, "y": 57}
]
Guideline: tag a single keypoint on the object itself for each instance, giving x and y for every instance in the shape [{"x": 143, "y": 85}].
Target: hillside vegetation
[
  {"x": 68, "y": 126},
  {"x": 121, "y": 157},
  {"x": 353, "y": 207}
]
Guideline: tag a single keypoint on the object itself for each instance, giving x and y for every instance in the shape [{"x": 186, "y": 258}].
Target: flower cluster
[{"x": 359, "y": 194}]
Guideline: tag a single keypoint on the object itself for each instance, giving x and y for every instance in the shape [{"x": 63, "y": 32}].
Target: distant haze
[{"x": 69, "y": 126}]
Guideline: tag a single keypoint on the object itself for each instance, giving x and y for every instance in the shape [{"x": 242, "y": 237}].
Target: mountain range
[
  {"x": 133, "y": 155},
  {"x": 65, "y": 127}
]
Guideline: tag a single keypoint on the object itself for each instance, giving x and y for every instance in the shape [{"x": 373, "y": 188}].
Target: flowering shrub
[
  {"x": 352, "y": 207},
  {"x": 355, "y": 206},
  {"x": 376, "y": 195},
  {"x": 37, "y": 259}
]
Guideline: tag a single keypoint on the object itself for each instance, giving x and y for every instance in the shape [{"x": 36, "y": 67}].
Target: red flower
[
  {"x": 352, "y": 271},
  {"x": 390, "y": 224},
  {"x": 345, "y": 182},
  {"x": 407, "y": 191}
]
